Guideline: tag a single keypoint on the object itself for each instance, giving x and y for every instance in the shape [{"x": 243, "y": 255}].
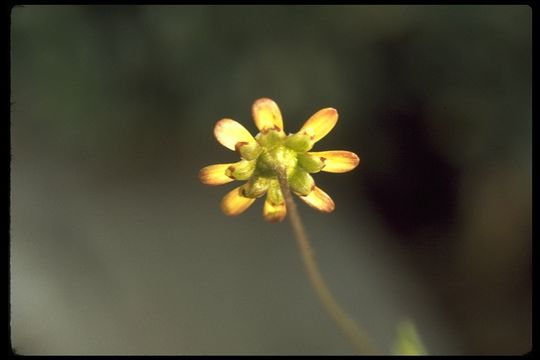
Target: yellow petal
[
  {"x": 215, "y": 174},
  {"x": 319, "y": 200},
  {"x": 337, "y": 161},
  {"x": 320, "y": 123},
  {"x": 234, "y": 203},
  {"x": 267, "y": 115},
  {"x": 274, "y": 213},
  {"x": 229, "y": 133}
]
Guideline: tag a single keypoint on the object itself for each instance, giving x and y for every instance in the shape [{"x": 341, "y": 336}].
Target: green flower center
[
  {"x": 274, "y": 154},
  {"x": 278, "y": 156}
]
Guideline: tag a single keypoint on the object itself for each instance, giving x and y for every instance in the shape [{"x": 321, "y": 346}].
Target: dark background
[{"x": 116, "y": 248}]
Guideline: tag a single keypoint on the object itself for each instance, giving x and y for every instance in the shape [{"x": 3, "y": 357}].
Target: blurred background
[{"x": 116, "y": 248}]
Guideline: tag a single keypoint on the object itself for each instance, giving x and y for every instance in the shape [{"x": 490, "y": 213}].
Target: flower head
[{"x": 271, "y": 149}]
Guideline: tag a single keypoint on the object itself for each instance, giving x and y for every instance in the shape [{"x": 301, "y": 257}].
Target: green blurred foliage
[{"x": 407, "y": 340}]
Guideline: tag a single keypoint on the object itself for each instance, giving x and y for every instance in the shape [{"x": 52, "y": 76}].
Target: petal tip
[
  {"x": 274, "y": 219},
  {"x": 332, "y": 112},
  {"x": 356, "y": 160},
  {"x": 321, "y": 123},
  {"x": 338, "y": 161},
  {"x": 234, "y": 203},
  {"x": 274, "y": 213},
  {"x": 214, "y": 174},
  {"x": 263, "y": 100},
  {"x": 229, "y": 132},
  {"x": 267, "y": 115},
  {"x": 319, "y": 200}
]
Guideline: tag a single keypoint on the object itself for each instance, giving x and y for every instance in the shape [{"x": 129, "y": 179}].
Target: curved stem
[{"x": 347, "y": 325}]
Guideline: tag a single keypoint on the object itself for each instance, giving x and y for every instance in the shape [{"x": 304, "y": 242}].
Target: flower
[{"x": 271, "y": 149}]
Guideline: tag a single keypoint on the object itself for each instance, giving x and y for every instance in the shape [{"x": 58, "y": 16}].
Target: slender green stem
[{"x": 346, "y": 324}]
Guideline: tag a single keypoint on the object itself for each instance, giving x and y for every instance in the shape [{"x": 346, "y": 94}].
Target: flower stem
[{"x": 346, "y": 324}]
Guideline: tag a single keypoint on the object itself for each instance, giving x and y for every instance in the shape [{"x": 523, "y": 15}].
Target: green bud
[
  {"x": 248, "y": 151},
  {"x": 311, "y": 163},
  {"x": 301, "y": 182},
  {"x": 241, "y": 170},
  {"x": 275, "y": 196},
  {"x": 300, "y": 142},
  {"x": 255, "y": 187},
  {"x": 270, "y": 138}
]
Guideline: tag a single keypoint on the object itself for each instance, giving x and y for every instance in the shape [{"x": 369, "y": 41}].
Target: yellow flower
[{"x": 272, "y": 148}]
